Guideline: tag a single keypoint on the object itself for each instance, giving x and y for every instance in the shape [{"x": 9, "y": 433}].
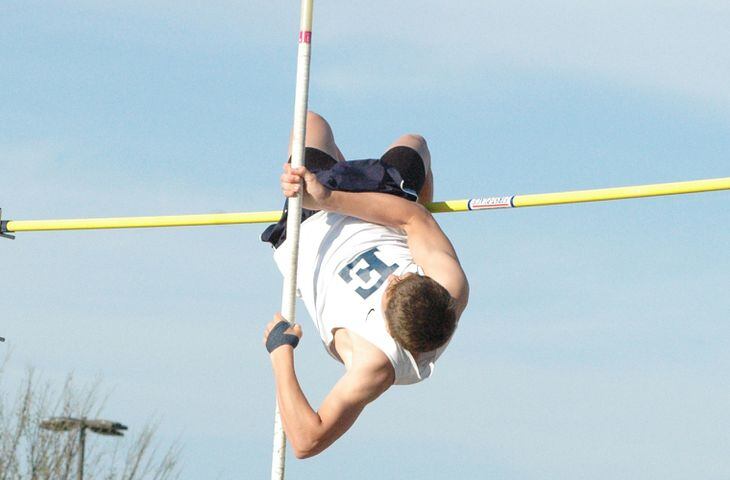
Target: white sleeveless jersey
[{"x": 344, "y": 264}]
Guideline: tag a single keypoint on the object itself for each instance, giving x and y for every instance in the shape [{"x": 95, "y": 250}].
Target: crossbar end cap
[{"x": 4, "y": 227}]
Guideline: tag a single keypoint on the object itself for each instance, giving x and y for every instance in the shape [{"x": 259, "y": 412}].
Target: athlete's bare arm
[
  {"x": 309, "y": 431},
  {"x": 430, "y": 247}
]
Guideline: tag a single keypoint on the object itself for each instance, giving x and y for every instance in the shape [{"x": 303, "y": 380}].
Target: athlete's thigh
[
  {"x": 418, "y": 143},
  {"x": 320, "y": 136}
]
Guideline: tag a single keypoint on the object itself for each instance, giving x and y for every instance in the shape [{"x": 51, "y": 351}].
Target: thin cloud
[{"x": 672, "y": 47}]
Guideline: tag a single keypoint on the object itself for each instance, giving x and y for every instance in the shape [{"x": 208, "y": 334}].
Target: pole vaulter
[{"x": 8, "y": 227}]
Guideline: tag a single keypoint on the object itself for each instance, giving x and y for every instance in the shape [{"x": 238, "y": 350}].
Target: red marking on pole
[{"x": 305, "y": 37}]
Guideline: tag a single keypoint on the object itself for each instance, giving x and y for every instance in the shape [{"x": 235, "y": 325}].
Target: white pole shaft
[{"x": 288, "y": 299}]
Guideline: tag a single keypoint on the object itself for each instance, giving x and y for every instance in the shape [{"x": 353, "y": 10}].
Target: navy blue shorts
[{"x": 400, "y": 172}]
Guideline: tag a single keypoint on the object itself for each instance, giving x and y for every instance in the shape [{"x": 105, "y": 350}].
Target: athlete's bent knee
[
  {"x": 414, "y": 140},
  {"x": 315, "y": 118}
]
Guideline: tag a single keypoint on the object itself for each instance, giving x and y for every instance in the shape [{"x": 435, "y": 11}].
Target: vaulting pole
[
  {"x": 288, "y": 298},
  {"x": 483, "y": 203}
]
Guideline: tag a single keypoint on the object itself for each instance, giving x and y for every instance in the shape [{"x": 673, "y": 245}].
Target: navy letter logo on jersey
[{"x": 363, "y": 267}]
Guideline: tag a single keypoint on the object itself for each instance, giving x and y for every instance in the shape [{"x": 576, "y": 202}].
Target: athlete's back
[{"x": 344, "y": 265}]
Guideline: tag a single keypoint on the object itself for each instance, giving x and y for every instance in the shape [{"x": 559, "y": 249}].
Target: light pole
[{"x": 65, "y": 424}]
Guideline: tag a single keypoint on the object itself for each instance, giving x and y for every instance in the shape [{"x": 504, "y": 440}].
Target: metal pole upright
[
  {"x": 82, "y": 448},
  {"x": 288, "y": 300}
]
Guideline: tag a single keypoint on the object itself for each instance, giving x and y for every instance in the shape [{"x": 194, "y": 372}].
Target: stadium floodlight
[{"x": 66, "y": 424}]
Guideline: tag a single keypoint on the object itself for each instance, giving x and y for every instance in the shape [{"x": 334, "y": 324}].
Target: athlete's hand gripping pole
[{"x": 288, "y": 300}]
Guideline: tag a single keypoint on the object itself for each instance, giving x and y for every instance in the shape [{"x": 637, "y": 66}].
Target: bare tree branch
[{"x": 30, "y": 452}]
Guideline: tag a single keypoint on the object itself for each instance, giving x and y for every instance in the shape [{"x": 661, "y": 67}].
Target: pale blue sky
[{"x": 595, "y": 344}]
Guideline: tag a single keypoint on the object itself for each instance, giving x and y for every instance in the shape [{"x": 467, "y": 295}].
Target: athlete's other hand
[
  {"x": 295, "y": 329},
  {"x": 315, "y": 194}
]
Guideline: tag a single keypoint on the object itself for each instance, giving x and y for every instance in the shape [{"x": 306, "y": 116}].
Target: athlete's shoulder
[{"x": 370, "y": 362}]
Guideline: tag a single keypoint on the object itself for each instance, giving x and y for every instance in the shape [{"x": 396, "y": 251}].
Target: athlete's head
[{"x": 419, "y": 312}]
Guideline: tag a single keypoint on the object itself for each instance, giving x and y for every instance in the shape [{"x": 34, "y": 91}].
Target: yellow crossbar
[
  {"x": 618, "y": 193},
  {"x": 144, "y": 222},
  {"x": 484, "y": 203}
]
